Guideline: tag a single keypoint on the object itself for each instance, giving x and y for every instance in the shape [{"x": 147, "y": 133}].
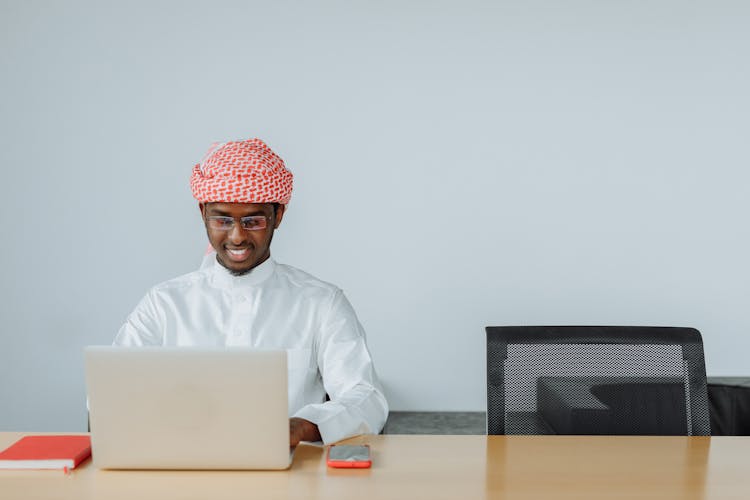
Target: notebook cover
[{"x": 32, "y": 452}]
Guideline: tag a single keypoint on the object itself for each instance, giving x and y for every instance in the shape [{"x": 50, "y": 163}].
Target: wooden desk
[{"x": 438, "y": 467}]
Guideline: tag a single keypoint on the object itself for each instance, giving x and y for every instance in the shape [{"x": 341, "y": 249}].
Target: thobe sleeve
[
  {"x": 357, "y": 404},
  {"x": 144, "y": 325}
]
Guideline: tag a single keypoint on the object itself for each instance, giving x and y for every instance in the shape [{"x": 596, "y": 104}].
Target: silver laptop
[{"x": 187, "y": 408}]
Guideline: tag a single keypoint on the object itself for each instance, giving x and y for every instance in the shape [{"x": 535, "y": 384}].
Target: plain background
[{"x": 457, "y": 165}]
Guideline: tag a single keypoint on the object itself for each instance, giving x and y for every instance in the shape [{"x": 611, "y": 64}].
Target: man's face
[{"x": 237, "y": 248}]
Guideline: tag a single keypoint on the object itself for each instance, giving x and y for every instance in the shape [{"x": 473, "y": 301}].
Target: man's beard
[
  {"x": 234, "y": 272},
  {"x": 239, "y": 273},
  {"x": 246, "y": 271}
]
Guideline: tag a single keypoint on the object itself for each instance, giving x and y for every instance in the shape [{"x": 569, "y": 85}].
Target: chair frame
[{"x": 498, "y": 338}]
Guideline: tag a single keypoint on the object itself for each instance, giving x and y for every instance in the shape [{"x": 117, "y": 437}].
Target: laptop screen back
[{"x": 187, "y": 408}]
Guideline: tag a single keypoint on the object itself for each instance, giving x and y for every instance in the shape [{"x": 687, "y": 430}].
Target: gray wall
[{"x": 457, "y": 164}]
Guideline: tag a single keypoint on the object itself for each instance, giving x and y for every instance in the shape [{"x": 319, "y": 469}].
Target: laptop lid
[{"x": 187, "y": 408}]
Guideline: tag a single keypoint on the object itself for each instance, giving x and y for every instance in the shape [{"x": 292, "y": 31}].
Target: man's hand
[{"x": 302, "y": 430}]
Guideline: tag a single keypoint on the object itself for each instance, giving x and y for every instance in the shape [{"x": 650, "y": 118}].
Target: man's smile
[{"x": 238, "y": 254}]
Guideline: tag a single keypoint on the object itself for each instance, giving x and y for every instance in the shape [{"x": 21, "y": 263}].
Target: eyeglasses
[{"x": 249, "y": 223}]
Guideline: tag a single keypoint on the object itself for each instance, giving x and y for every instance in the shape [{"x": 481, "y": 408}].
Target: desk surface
[{"x": 438, "y": 467}]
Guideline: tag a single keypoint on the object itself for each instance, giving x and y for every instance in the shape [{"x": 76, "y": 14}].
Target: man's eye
[
  {"x": 223, "y": 221},
  {"x": 252, "y": 223}
]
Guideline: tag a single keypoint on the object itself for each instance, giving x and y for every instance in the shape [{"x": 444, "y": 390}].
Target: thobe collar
[{"x": 222, "y": 278}]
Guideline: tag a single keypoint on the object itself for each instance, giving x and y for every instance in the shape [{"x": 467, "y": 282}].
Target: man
[{"x": 246, "y": 299}]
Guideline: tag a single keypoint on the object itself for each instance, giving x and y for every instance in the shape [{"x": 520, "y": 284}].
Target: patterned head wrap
[{"x": 241, "y": 172}]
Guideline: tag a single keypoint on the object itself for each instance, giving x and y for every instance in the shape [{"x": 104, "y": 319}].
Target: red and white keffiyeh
[{"x": 241, "y": 172}]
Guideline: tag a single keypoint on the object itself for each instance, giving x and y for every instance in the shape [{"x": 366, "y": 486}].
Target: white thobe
[{"x": 274, "y": 306}]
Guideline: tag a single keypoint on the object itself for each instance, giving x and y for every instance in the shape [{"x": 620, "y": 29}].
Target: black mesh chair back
[{"x": 596, "y": 380}]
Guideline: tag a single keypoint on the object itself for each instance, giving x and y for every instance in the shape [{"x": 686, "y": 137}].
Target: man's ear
[
  {"x": 280, "y": 209},
  {"x": 202, "y": 208}
]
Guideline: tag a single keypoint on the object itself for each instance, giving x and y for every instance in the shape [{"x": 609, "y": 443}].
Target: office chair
[{"x": 596, "y": 380}]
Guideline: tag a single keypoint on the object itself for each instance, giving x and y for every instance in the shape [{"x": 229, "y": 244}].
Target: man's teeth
[{"x": 237, "y": 252}]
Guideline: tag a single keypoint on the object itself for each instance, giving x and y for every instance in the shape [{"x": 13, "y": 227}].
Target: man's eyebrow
[{"x": 214, "y": 211}]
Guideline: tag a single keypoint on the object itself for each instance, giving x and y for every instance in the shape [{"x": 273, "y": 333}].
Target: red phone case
[{"x": 348, "y": 464}]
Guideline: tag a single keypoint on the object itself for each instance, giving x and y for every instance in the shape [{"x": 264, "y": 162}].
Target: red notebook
[{"x": 46, "y": 452}]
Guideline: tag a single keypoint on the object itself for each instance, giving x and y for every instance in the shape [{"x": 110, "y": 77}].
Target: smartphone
[{"x": 349, "y": 456}]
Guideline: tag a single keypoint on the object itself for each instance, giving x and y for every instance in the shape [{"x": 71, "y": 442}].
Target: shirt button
[{"x": 241, "y": 298}]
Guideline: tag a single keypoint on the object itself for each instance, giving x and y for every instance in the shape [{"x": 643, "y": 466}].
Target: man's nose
[{"x": 237, "y": 234}]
